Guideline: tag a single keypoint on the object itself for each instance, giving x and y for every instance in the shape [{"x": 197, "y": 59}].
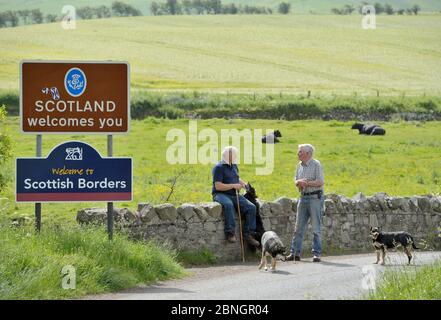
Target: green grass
[
  {"x": 325, "y": 54},
  {"x": 422, "y": 283},
  {"x": 31, "y": 264},
  {"x": 202, "y": 257},
  {"x": 405, "y": 162}
]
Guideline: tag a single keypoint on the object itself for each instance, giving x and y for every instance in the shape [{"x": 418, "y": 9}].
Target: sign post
[
  {"x": 110, "y": 204},
  {"x": 38, "y": 205},
  {"x": 72, "y": 97}
]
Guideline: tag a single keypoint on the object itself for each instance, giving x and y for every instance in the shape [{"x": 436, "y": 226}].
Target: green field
[
  {"x": 407, "y": 161},
  {"x": 297, "y": 6},
  {"x": 324, "y": 54}
]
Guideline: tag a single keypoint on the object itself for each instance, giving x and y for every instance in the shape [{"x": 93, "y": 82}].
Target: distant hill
[
  {"x": 329, "y": 54},
  {"x": 298, "y": 6}
]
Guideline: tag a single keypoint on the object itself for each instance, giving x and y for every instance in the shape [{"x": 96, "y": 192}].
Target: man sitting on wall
[{"x": 226, "y": 183}]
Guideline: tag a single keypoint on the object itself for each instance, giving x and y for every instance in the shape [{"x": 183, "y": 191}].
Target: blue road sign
[{"x": 73, "y": 171}]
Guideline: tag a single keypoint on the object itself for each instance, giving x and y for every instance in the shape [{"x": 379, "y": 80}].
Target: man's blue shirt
[{"x": 223, "y": 172}]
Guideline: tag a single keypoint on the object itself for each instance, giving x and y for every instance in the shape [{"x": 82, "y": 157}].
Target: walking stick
[{"x": 240, "y": 227}]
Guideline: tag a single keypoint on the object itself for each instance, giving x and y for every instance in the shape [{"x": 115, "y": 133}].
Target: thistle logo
[
  {"x": 75, "y": 82},
  {"x": 53, "y": 91}
]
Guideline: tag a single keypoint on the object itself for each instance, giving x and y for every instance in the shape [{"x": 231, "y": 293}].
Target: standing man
[
  {"x": 309, "y": 180},
  {"x": 226, "y": 183}
]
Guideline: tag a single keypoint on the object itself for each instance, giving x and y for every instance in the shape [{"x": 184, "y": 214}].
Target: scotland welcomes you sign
[
  {"x": 73, "y": 171},
  {"x": 68, "y": 97}
]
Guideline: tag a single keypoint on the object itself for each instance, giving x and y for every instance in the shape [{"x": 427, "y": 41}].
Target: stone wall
[{"x": 345, "y": 225}]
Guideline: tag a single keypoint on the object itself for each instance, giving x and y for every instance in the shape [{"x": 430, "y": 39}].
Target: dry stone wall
[{"x": 345, "y": 227}]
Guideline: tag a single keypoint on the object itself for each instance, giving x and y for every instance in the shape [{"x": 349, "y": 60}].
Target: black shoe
[
  {"x": 249, "y": 238},
  {"x": 292, "y": 257},
  {"x": 231, "y": 238},
  {"x": 316, "y": 259}
]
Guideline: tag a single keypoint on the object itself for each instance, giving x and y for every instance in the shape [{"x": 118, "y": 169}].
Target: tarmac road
[{"x": 336, "y": 277}]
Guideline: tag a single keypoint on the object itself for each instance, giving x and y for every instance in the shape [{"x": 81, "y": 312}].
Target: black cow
[
  {"x": 369, "y": 129},
  {"x": 272, "y": 137}
]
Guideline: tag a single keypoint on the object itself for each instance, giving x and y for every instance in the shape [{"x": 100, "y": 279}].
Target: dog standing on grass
[
  {"x": 388, "y": 240},
  {"x": 271, "y": 246}
]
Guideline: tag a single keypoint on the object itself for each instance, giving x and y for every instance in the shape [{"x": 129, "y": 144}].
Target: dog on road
[
  {"x": 271, "y": 246},
  {"x": 388, "y": 240}
]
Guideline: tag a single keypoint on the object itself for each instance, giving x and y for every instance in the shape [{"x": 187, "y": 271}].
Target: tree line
[
  {"x": 198, "y": 7},
  {"x": 379, "y": 9},
  {"x": 120, "y": 9},
  {"x": 14, "y": 18},
  {"x": 22, "y": 17}
]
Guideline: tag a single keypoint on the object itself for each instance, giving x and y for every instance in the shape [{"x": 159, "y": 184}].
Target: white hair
[
  {"x": 226, "y": 154},
  {"x": 309, "y": 148}
]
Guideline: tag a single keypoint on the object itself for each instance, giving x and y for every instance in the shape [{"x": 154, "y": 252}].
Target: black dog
[
  {"x": 387, "y": 240},
  {"x": 251, "y": 196},
  {"x": 373, "y": 129},
  {"x": 272, "y": 137},
  {"x": 271, "y": 246}
]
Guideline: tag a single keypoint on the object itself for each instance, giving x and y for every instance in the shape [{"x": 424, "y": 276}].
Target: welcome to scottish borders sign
[{"x": 73, "y": 171}]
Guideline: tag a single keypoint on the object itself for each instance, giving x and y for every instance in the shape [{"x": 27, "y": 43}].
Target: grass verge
[
  {"x": 417, "y": 284},
  {"x": 31, "y": 264}
]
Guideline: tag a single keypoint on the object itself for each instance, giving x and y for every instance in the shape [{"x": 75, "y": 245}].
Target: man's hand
[
  {"x": 236, "y": 186},
  {"x": 226, "y": 186},
  {"x": 302, "y": 183}
]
